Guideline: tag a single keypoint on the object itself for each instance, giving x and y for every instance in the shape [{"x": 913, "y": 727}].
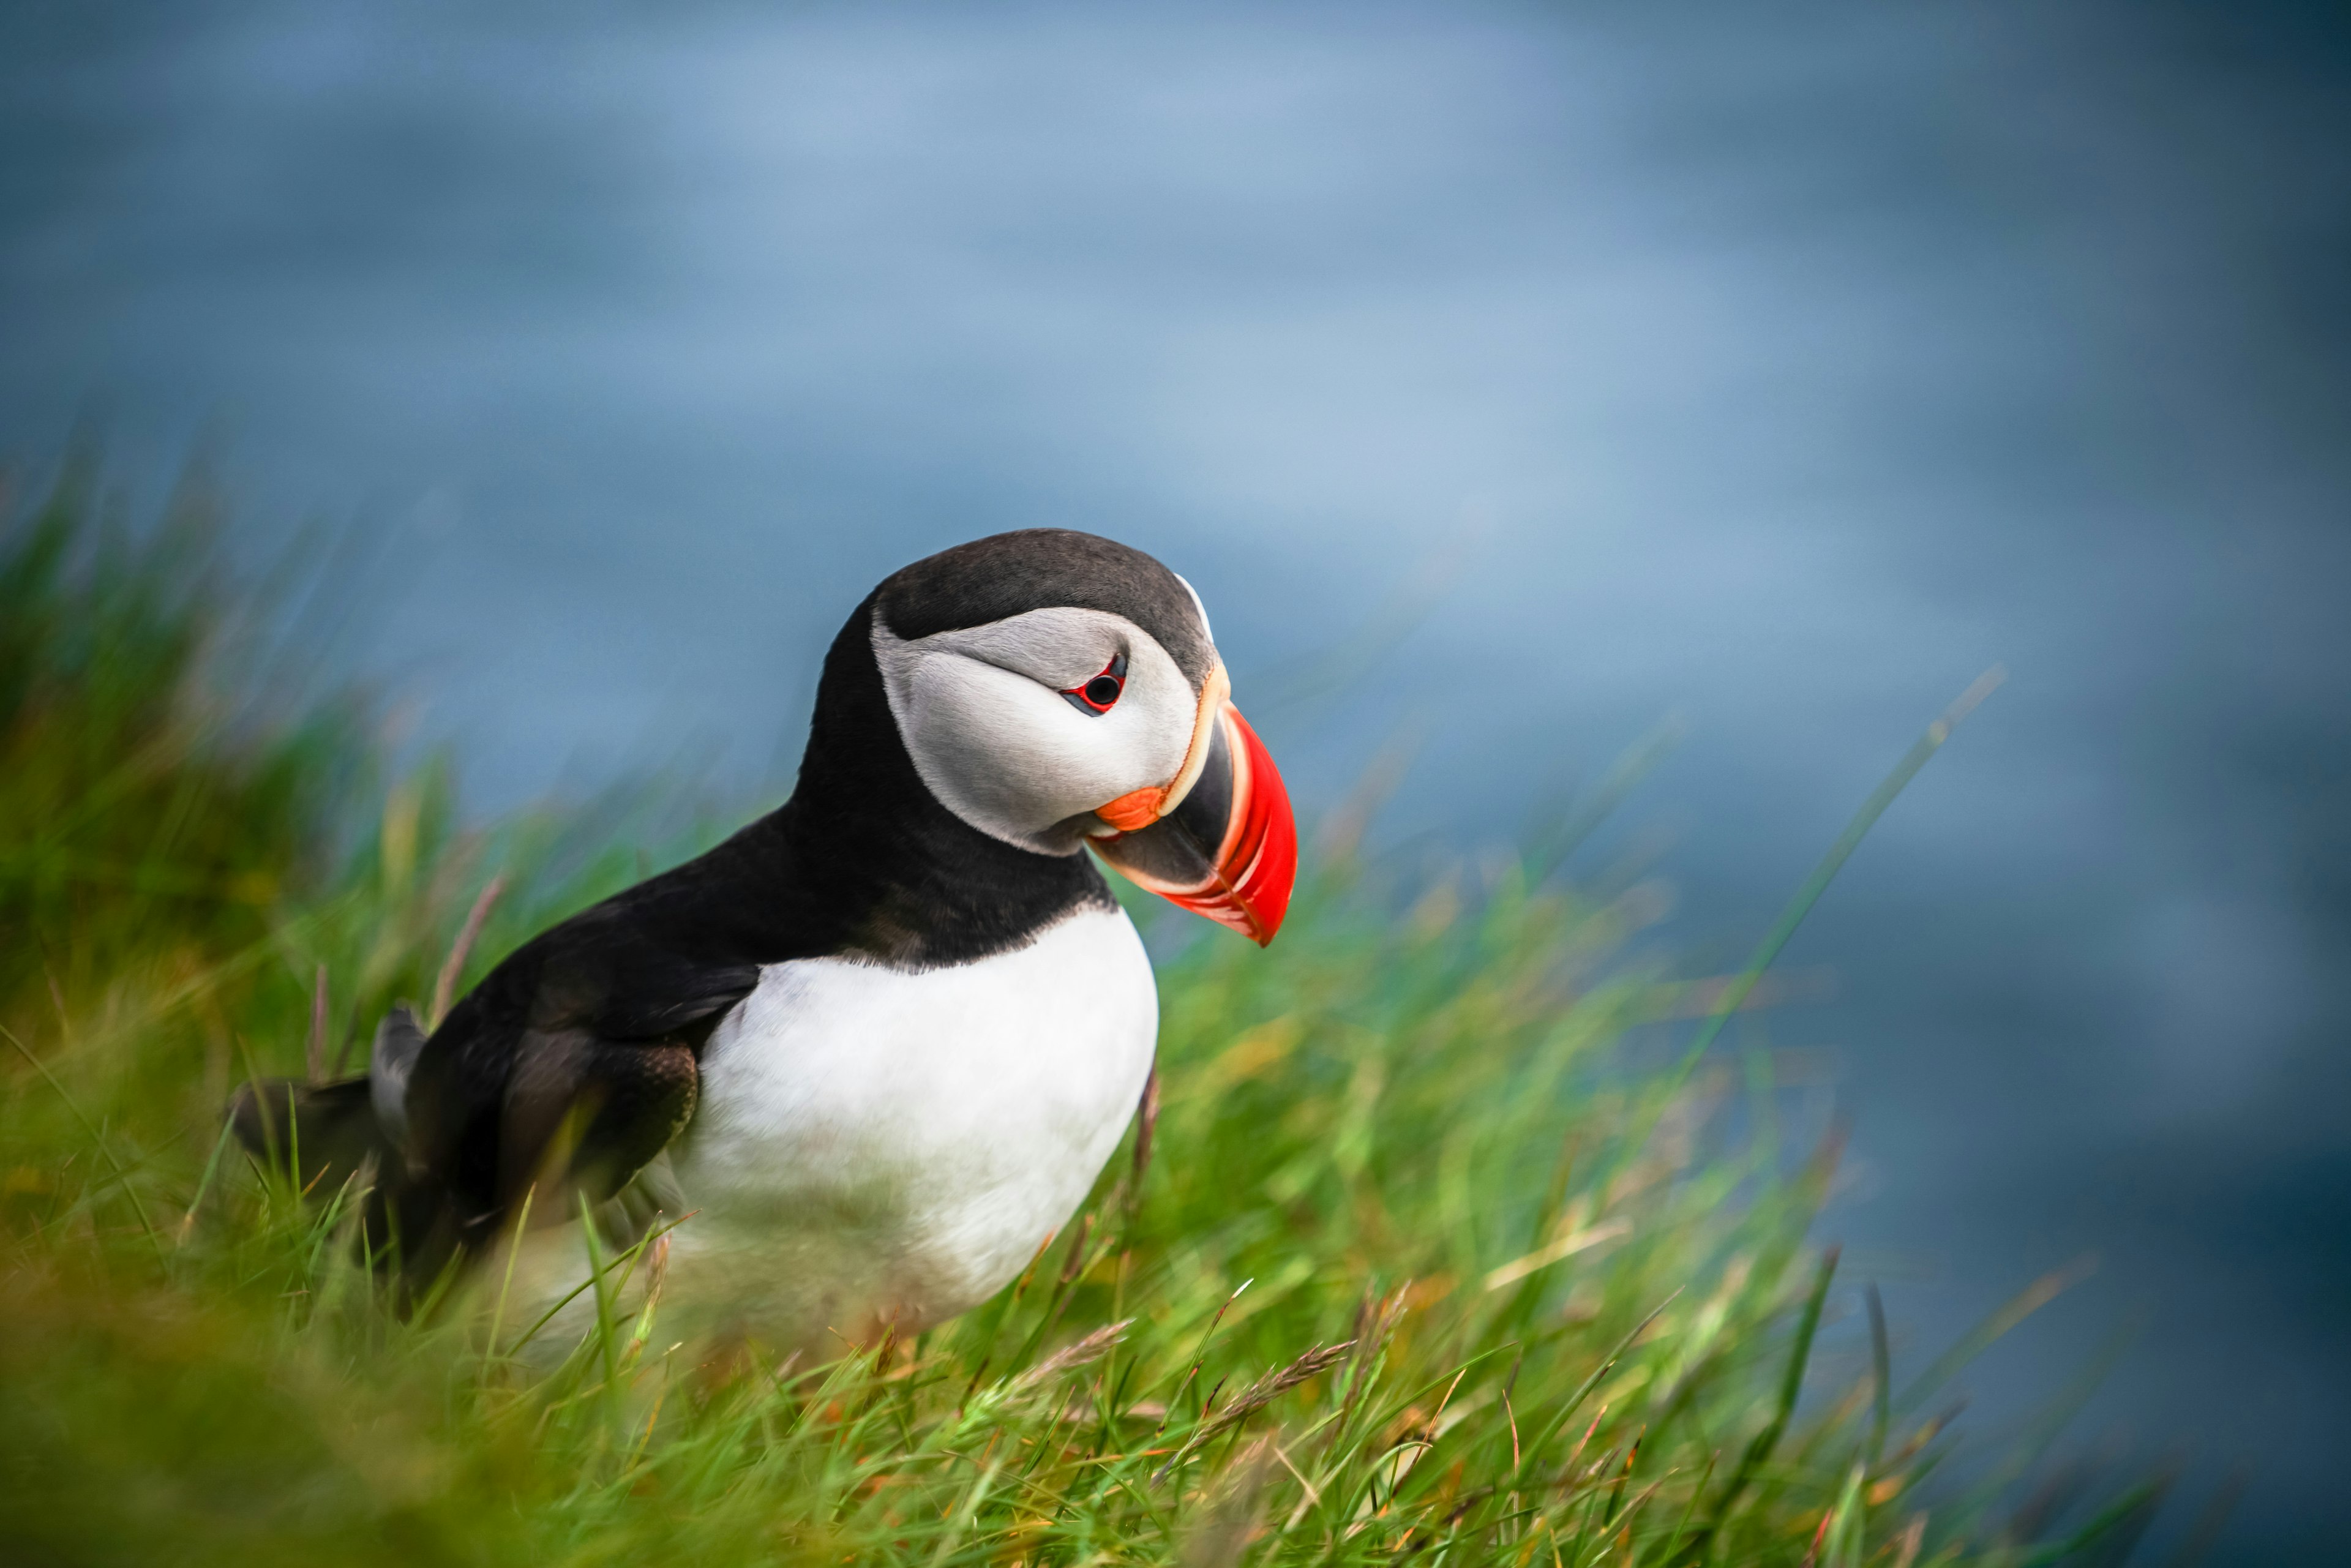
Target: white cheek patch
[{"x": 982, "y": 716}]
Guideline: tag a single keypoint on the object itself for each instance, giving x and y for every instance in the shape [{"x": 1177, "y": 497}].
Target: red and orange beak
[{"x": 1219, "y": 839}]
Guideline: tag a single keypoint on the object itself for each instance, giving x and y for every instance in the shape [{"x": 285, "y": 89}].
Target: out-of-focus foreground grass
[{"x": 1421, "y": 1264}]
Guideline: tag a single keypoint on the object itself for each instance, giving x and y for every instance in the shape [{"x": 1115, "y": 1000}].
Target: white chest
[{"x": 877, "y": 1143}]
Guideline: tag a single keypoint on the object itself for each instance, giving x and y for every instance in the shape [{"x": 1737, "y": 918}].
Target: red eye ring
[{"x": 1097, "y": 696}]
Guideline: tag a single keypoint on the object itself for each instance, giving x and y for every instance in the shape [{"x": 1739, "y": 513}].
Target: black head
[
  {"x": 1005, "y": 575},
  {"x": 1033, "y": 693}
]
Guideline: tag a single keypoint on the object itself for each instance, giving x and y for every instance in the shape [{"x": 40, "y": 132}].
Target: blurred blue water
[{"x": 1778, "y": 369}]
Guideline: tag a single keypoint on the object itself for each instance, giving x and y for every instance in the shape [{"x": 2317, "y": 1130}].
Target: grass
[{"x": 1431, "y": 1253}]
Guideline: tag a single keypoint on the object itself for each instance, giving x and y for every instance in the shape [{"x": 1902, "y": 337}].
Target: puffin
[{"x": 875, "y": 1048}]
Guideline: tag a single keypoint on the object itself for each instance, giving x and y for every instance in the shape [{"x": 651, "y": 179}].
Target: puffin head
[{"x": 1058, "y": 692}]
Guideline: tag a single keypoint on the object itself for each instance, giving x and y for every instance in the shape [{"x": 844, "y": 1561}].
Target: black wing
[{"x": 569, "y": 1069}]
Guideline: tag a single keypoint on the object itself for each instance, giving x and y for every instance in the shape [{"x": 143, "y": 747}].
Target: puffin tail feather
[
  {"x": 327, "y": 1133},
  {"x": 353, "y": 1134},
  {"x": 324, "y": 1133}
]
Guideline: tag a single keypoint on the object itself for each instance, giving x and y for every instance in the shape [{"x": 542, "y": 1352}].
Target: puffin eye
[{"x": 1097, "y": 695}]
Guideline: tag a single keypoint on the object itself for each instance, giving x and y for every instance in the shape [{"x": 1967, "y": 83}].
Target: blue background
[{"x": 1510, "y": 378}]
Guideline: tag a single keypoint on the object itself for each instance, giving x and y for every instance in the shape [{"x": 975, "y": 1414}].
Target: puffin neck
[{"x": 916, "y": 886}]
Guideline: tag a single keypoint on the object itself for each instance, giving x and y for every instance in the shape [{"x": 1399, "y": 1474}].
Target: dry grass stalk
[
  {"x": 444, "y": 986},
  {"x": 1077, "y": 1353},
  {"x": 1257, "y": 1395}
]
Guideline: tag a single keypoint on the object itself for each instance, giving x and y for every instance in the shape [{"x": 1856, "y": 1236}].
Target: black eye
[{"x": 1097, "y": 695}]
